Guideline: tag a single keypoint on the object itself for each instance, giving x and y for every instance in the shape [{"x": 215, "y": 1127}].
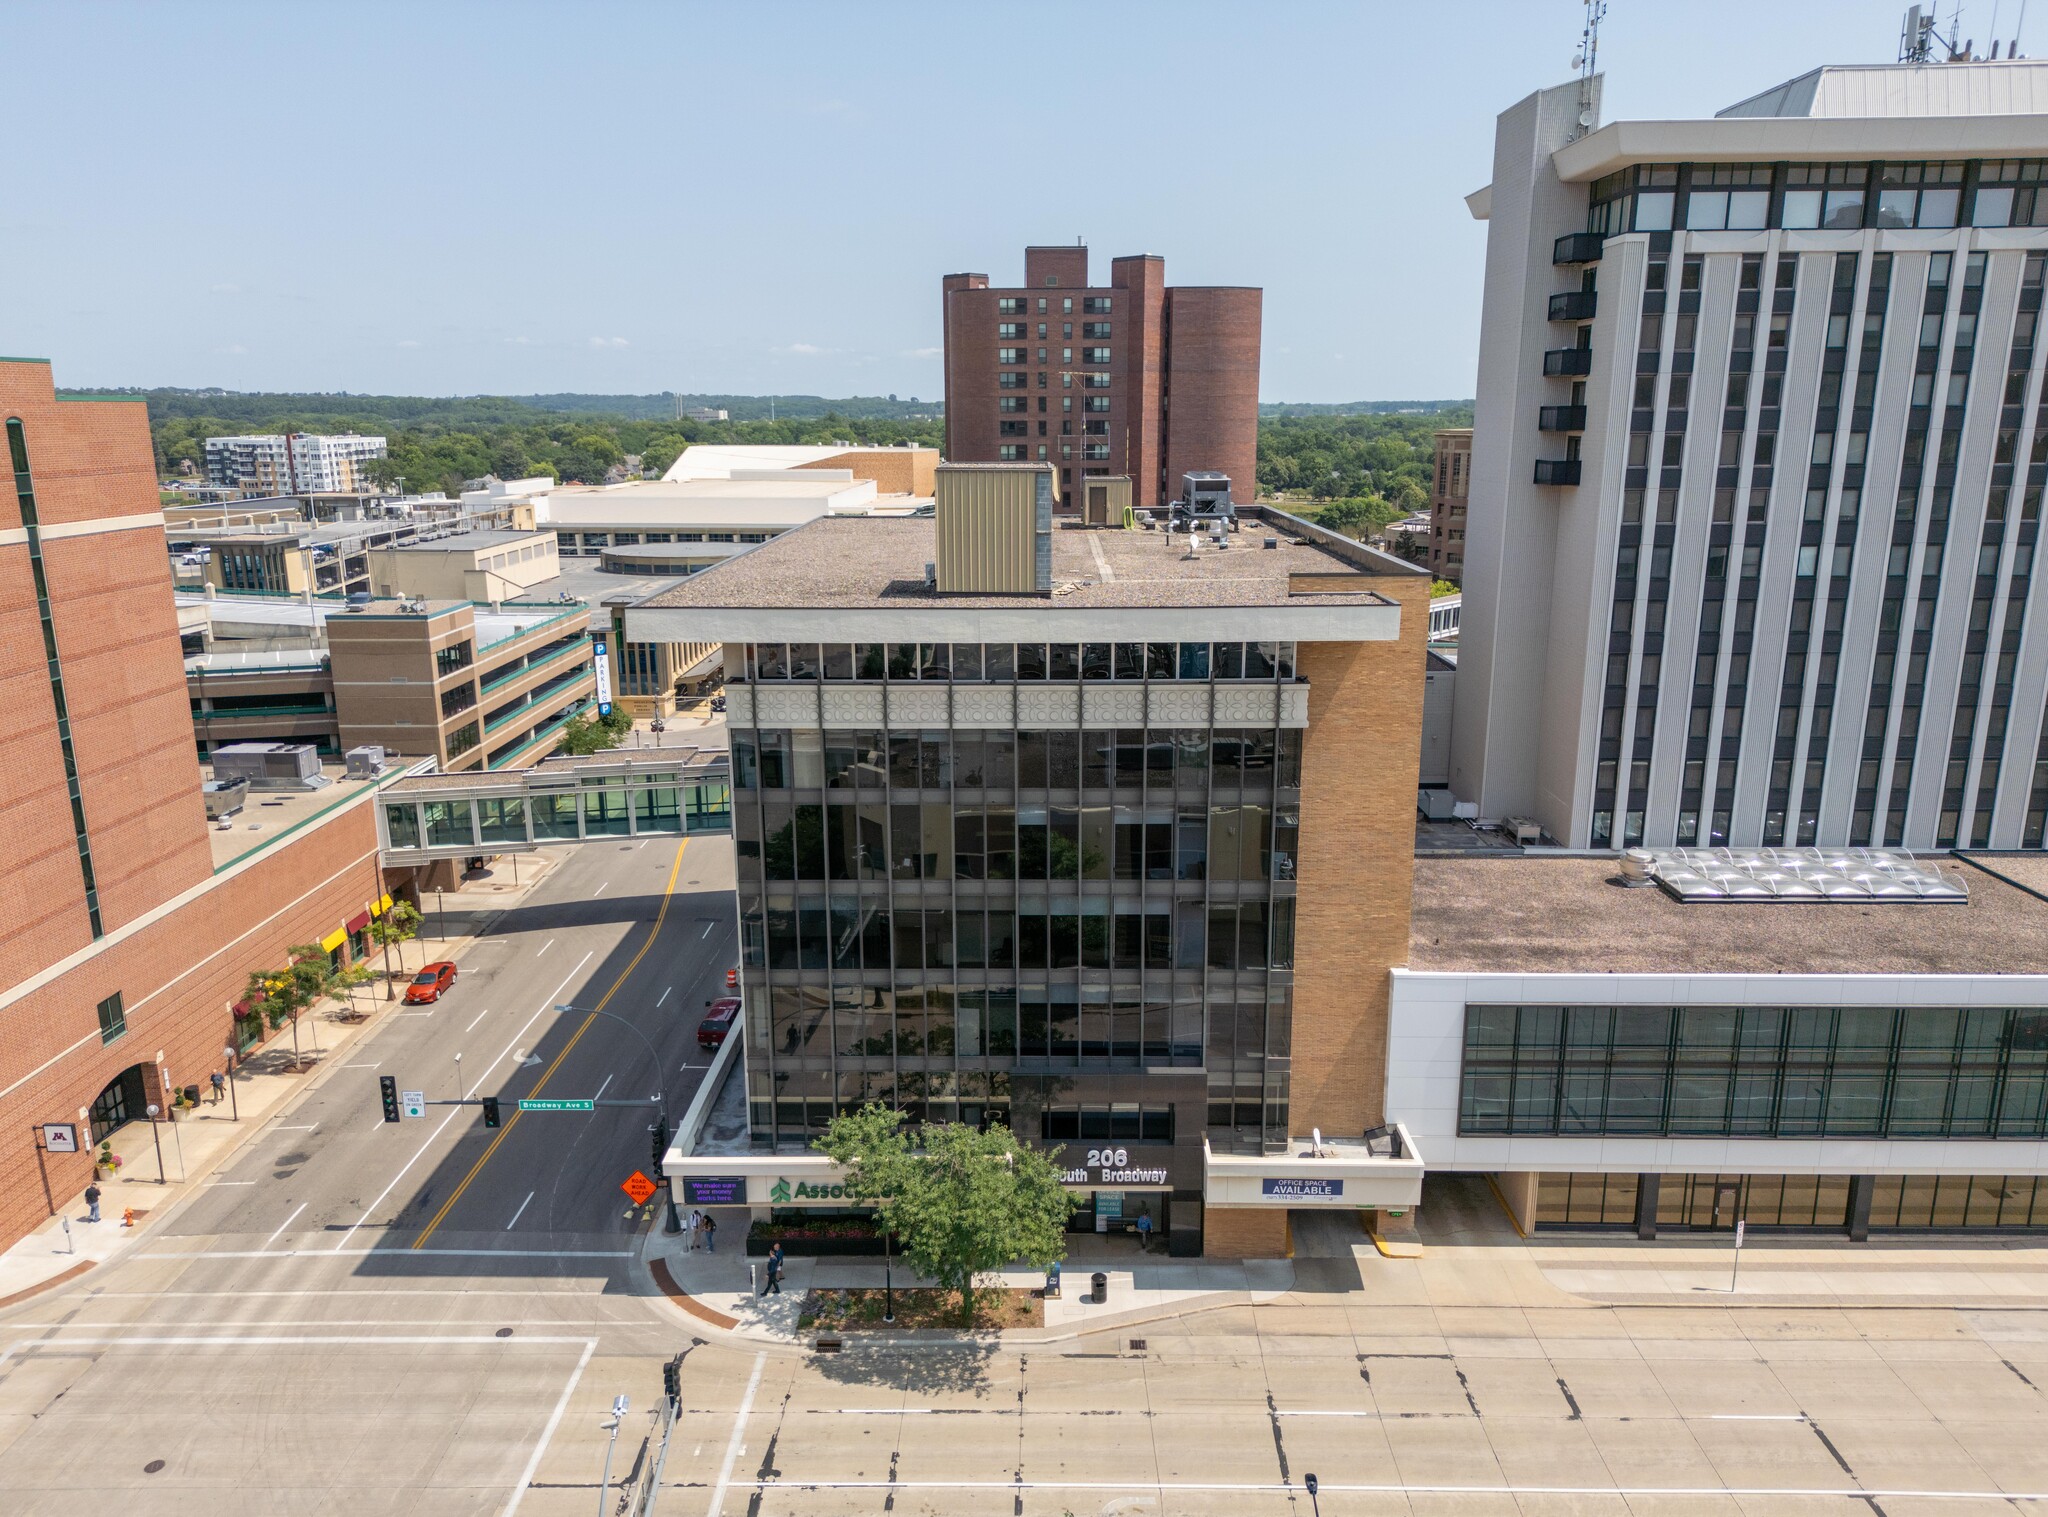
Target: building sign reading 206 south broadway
[{"x": 1108, "y": 1168}]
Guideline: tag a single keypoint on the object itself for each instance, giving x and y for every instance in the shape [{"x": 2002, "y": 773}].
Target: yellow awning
[{"x": 334, "y": 940}]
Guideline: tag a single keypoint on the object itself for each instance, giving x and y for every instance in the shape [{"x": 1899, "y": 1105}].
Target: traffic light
[
  {"x": 672, "y": 1380},
  {"x": 387, "y": 1086},
  {"x": 490, "y": 1111},
  {"x": 660, "y": 1145}
]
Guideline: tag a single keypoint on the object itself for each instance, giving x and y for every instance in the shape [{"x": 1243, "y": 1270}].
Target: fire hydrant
[{"x": 128, "y": 1216}]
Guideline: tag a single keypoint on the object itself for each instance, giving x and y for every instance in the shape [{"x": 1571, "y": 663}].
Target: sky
[{"x": 442, "y": 197}]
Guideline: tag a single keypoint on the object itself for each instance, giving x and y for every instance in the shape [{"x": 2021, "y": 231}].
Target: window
[
  {"x": 461, "y": 741},
  {"x": 1095, "y": 305},
  {"x": 1012, "y": 428},
  {"x": 1010, "y": 453},
  {"x": 1009, "y": 306},
  {"x": 1096, "y": 450},
  {"x": 113, "y": 1019},
  {"x": 1095, "y": 355},
  {"x": 1097, "y": 403},
  {"x": 1010, "y": 403},
  {"x": 457, "y": 656},
  {"x": 1095, "y": 381},
  {"x": 1010, "y": 381},
  {"x": 1010, "y": 329},
  {"x": 1009, "y": 355},
  {"x": 1098, "y": 329},
  {"x": 458, "y": 699}
]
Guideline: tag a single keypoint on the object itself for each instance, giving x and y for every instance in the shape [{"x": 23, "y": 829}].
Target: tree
[
  {"x": 397, "y": 927},
  {"x": 961, "y": 1201},
  {"x": 587, "y": 732}
]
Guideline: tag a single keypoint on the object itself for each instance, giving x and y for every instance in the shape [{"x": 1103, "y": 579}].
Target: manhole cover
[
  {"x": 504, "y": 1332},
  {"x": 152, "y": 1467}
]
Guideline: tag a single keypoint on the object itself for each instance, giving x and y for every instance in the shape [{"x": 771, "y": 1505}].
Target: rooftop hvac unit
[
  {"x": 366, "y": 762},
  {"x": 224, "y": 797},
  {"x": 1524, "y": 830},
  {"x": 270, "y": 766}
]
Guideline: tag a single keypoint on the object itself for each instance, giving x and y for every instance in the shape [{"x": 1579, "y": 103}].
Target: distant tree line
[{"x": 1353, "y": 474}]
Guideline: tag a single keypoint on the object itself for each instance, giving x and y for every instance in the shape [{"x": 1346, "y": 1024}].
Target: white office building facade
[{"x": 1758, "y": 462}]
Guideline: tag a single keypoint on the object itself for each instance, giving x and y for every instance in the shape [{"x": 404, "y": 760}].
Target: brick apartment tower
[{"x": 1132, "y": 377}]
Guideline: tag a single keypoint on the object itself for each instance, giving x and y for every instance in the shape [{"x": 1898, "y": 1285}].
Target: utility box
[
  {"x": 1106, "y": 500},
  {"x": 224, "y": 797},
  {"x": 993, "y": 523},
  {"x": 365, "y": 762}
]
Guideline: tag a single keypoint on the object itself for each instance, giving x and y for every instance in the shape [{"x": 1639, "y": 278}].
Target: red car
[
  {"x": 717, "y": 1022},
  {"x": 430, "y": 983}
]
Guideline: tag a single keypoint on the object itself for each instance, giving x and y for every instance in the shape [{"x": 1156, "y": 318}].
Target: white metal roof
[{"x": 709, "y": 460}]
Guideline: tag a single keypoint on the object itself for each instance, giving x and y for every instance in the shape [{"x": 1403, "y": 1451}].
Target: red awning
[{"x": 358, "y": 922}]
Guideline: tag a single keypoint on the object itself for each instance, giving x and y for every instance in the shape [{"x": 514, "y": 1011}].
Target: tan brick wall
[
  {"x": 895, "y": 471},
  {"x": 1244, "y": 1232},
  {"x": 177, "y": 977},
  {"x": 1360, "y": 757}
]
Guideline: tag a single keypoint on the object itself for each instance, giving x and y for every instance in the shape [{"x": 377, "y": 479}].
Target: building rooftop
[
  {"x": 269, "y": 815},
  {"x": 468, "y": 542},
  {"x": 718, "y": 460},
  {"x": 783, "y": 501},
  {"x": 285, "y": 611},
  {"x": 2009, "y": 86},
  {"x": 1550, "y": 914},
  {"x": 872, "y": 568}
]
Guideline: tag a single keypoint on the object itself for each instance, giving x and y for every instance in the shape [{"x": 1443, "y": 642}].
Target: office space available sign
[{"x": 1292, "y": 1189}]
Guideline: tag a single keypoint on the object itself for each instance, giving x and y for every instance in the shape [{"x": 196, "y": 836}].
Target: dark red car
[
  {"x": 718, "y": 1022},
  {"x": 429, "y": 983}
]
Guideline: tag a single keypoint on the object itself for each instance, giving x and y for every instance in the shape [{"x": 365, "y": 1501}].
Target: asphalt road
[{"x": 333, "y": 1176}]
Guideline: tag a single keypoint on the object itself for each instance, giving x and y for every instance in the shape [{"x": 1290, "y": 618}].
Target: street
[{"x": 430, "y": 1317}]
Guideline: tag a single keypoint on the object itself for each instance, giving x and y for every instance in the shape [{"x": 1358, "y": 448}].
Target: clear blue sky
[{"x": 444, "y": 197}]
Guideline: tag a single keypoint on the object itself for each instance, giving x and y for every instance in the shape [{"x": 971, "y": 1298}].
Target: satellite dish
[{"x": 1585, "y": 118}]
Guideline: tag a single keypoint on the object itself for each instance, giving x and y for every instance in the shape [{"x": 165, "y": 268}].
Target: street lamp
[
  {"x": 154, "y": 1138},
  {"x": 605, "y": 1485},
  {"x": 1315, "y": 1506},
  {"x": 888, "y": 1275},
  {"x": 234, "y": 1100}
]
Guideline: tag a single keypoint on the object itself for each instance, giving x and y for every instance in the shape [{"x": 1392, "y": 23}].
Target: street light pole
[
  {"x": 234, "y": 1098},
  {"x": 1315, "y": 1506},
  {"x": 888, "y": 1275},
  {"x": 605, "y": 1485},
  {"x": 158, "y": 1141}
]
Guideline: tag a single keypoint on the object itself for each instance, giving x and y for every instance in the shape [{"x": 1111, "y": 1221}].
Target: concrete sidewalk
[
  {"x": 197, "y": 1145},
  {"x": 723, "y": 1287}
]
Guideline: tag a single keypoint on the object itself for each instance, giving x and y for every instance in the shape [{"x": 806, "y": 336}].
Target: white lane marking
[
  {"x": 601, "y": 1088},
  {"x": 732, "y": 1447},
  {"x": 307, "y": 1128},
  {"x": 396, "y": 1253},
  {"x": 688, "y": 1067},
  {"x": 545, "y": 1007},
  {"x": 415, "y": 1013},
  {"x": 545, "y": 947},
  {"x": 600, "y": 890},
  {"x": 706, "y": 932},
  {"x": 664, "y": 996},
  {"x": 271, "y": 1340},
  {"x": 359, "y": 1066},
  {"x": 554, "y": 1420},
  {"x": 234, "y": 1182},
  {"x": 476, "y": 1019},
  {"x": 520, "y": 1213},
  {"x": 288, "y": 1221},
  {"x": 1756, "y": 1417},
  {"x": 1858, "y": 1493}
]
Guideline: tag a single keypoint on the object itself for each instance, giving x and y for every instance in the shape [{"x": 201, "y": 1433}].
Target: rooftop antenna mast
[{"x": 1587, "y": 62}]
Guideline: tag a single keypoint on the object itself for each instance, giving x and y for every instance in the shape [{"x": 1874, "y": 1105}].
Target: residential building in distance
[
  {"x": 1450, "y": 488},
  {"x": 1810, "y": 618},
  {"x": 1132, "y": 377},
  {"x": 131, "y": 924},
  {"x": 292, "y": 463},
  {"x": 1135, "y": 894}
]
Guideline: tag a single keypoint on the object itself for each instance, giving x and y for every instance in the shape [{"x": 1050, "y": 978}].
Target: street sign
[
  {"x": 60, "y": 1137},
  {"x": 536, "y": 1105},
  {"x": 639, "y": 1187},
  {"x": 415, "y": 1102}
]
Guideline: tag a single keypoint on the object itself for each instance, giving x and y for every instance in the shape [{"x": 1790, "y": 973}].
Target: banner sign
[{"x": 1301, "y": 1189}]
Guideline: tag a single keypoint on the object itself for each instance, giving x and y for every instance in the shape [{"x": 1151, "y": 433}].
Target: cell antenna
[{"x": 1587, "y": 62}]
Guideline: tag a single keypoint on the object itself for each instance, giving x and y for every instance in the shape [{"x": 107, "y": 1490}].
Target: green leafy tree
[
  {"x": 961, "y": 1201},
  {"x": 587, "y": 732},
  {"x": 397, "y": 927},
  {"x": 1442, "y": 587}
]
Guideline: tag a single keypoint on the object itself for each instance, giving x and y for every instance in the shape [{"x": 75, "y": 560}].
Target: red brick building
[
  {"x": 130, "y": 924},
  {"x": 1132, "y": 377}
]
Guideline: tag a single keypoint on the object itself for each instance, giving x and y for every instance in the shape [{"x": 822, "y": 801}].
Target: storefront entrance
[
  {"x": 1115, "y": 1213},
  {"x": 120, "y": 1103}
]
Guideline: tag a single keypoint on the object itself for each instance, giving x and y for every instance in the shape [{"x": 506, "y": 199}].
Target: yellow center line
[{"x": 506, "y": 1131}]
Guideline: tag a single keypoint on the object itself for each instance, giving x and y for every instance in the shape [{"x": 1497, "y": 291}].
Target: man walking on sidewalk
[
  {"x": 92, "y": 1202},
  {"x": 219, "y": 1086},
  {"x": 710, "y": 1231},
  {"x": 774, "y": 1284}
]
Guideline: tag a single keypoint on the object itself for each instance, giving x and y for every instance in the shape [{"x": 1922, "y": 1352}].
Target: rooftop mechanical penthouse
[{"x": 1114, "y": 846}]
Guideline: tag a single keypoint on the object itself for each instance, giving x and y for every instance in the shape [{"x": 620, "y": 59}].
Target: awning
[
  {"x": 380, "y": 906},
  {"x": 357, "y": 922},
  {"x": 334, "y": 940}
]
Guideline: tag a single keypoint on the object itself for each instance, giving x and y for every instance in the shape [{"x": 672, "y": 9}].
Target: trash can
[{"x": 1101, "y": 1283}]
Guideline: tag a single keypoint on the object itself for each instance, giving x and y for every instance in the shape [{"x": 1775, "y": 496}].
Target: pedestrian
[
  {"x": 710, "y": 1234},
  {"x": 774, "y": 1283},
  {"x": 219, "y": 1086},
  {"x": 694, "y": 1227},
  {"x": 1144, "y": 1232},
  {"x": 92, "y": 1202}
]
